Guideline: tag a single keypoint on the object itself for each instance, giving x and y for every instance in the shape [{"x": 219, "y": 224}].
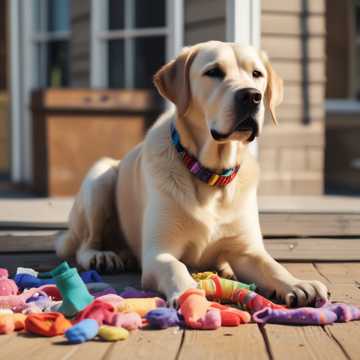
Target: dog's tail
[{"x": 66, "y": 244}]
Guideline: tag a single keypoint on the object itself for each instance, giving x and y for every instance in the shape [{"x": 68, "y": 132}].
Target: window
[
  {"x": 51, "y": 35},
  {"x": 130, "y": 41}
]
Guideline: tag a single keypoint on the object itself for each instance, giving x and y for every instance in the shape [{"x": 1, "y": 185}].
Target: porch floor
[
  {"x": 306, "y": 235},
  {"x": 338, "y": 341}
]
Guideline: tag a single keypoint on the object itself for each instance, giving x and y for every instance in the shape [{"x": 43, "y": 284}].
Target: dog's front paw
[
  {"x": 102, "y": 261},
  {"x": 302, "y": 293}
]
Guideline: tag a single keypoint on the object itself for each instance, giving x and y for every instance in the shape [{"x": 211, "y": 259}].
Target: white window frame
[
  {"x": 24, "y": 77},
  {"x": 243, "y": 25},
  {"x": 44, "y": 38},
  {"x": 173, "y": 31}
]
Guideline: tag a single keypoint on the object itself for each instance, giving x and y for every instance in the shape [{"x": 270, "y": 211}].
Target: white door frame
[
  {"x": 243, "y": 25},
  {"x": 21, "y": 83}
]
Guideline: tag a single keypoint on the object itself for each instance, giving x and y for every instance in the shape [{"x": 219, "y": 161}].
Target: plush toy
[
  {"x": 72, "y": 288},
  {"x": 7, "y": 286},
  {"x": 112, "y": 333},
  {"x": 200, "y": 313},
  {"x": 18, "y": 302},
  {"x": 83, "y": 331},
  {"x": 47, "y": 324},
  {"x": 11, "y": 322},
  {"x": 141, "y": 305},
  {"x": 162, "y": 318},
  {"x": 98, "y": 310},
  {"x": 230, "y": 291}
]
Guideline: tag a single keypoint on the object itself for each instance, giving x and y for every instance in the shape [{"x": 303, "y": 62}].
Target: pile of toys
[{"x": 82, "y": 306}]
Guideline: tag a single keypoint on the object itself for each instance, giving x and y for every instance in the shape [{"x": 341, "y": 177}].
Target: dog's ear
[
  {"x": 172, "y": 80},
  {"x": 274, "y": 91}
]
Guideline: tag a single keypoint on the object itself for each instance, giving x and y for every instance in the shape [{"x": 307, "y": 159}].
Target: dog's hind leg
[{"x": 93, "y": 217}]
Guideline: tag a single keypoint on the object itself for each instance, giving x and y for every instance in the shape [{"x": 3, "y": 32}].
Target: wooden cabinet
[{"x": 73, "y": 128}]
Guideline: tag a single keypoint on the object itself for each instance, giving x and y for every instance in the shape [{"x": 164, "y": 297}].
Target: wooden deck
[
  {"x": 338, "y": 341},
  {"x": 306, "y": 234}
]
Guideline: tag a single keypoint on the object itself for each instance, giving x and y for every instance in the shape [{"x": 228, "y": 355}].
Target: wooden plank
[
  {"x": 291, "y": 71},
  {"x": 283, "y": 224},
  {"x": 293, "y": 135},
  {"x": 243, "y": 342},
  {"x": 290, "y": 48},
  {"x": 314, "y": 249},
  {"x": 294, "y": 113},
  {"x": 21, "y": 343},
  {"x": 346, "y": 293},
  {"x": 341, "y": 273},
  {"x": 298, "y": 343},
  {"x": 93, "y": 99},
  {"x": 347, "y": 336},
  {"x": 293, "y": 94},
  {"x": 291, "y": 24},
  {"x": 40, "y": 261},
  {"x": 310, "y": 204},
  {"x": 91, "y": 350},
  {"x": 35, "y": 212},
  {"x": 305, "y": 271},
  {"x": 51, "y": 349},
  {"x": 279, "y": 6},
  {"x": 143, "y": 344},
  {"x": 28, "y": 241},
  {"x": 294, "y": 249}
]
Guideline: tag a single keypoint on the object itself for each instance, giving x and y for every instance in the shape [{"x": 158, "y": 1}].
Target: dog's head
[{"x": 228, "y": 84}]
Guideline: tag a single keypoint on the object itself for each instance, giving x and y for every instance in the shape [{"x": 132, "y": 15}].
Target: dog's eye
[
  {"x": 257, "y": 74},
  {"x": 215, "y": 72}
]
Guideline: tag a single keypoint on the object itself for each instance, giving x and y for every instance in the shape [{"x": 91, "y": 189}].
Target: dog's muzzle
[{"x": 247, "y": 102}]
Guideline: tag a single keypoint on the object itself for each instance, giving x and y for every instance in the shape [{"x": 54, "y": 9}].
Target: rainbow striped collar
[{"x": 202, "y": 173}]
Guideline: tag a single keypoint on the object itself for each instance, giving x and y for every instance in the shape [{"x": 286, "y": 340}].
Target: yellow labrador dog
[{"x": 186, "y": 196}]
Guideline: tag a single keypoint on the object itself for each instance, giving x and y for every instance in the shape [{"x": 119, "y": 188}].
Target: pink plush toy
[{"x": 7, "y": 286}]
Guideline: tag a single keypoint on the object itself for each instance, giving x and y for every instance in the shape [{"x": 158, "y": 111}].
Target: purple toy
[
  {"x": 162, "y": 318},
  {"x": 107, "y": 291},
  {"x": 344, "y": 312},
  {"x": 301, "y": 316},
  {"x": 130, "y": 292}
]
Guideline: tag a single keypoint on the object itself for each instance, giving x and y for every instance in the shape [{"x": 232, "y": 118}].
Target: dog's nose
[{"x": 248, "y": 96}]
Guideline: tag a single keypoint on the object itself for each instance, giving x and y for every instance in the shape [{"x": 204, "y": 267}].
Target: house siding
[{"x": 291, "y": 155}]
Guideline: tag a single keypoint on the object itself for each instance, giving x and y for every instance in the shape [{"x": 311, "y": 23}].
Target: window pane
[
  {"x": 39, "y": 15},
  {"x": 51, "y": 15},
  {"x": 58, "y": 65},
  {"x": 149, "y": 57},
  {"x": 52, "y": 66},
  {"x": 116, "y": 14},
  {"x": 150, "y": 13},
  {"x": 58, "y": 15},
  {"x": 116, "y": 64}
]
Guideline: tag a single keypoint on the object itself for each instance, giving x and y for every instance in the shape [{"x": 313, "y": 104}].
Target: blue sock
[
  {"x": 91, "y": 276},
  {"x": 83, "y": 331},
  {"x": 27, "y": 281}
]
